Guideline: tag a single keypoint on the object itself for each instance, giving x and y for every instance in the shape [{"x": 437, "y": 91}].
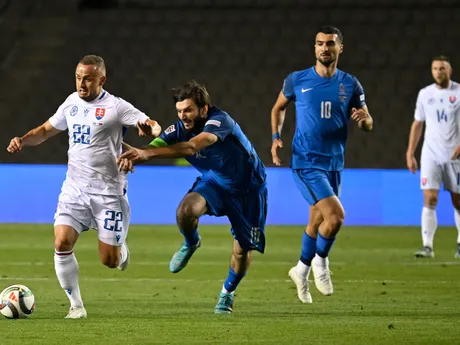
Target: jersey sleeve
[
  {"x": 419, "y": 114},
  {"x": 129, "y": 115},
  {"x": 58, "y": 120},
  {"x": 288, "y": 87},
  {"x": 220, "y": 125},
  {"x": 358, "y": 99},
  {"x": 170, "y": 136}
]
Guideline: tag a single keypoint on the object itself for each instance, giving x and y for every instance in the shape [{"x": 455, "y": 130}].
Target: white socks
[
  {"x": 66, "y": 267},
  {"x": 320, "y": 262},
  {"x": 302, "y": 270},
  {"x": 429, "y": 225},
  {"x": 457, "y": 223}
]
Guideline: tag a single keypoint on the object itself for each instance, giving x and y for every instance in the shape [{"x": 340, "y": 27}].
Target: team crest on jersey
[
  {"x": 100, "y": 112},
  {"x": 74, "y": 110},
  {"x": 342, "y": 93},
  {"x": 424, "y": 180},
  {"x": 170, "y": 129},
  {"x": 452, "y": 99}
]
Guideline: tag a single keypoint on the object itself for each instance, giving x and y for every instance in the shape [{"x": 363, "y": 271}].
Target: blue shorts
[
  {"x": 316, "y": 185},
  {"x": 247, "y": 212}
]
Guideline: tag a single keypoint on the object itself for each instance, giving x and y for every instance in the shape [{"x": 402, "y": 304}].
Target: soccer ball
[{"x": 17, "y": 302}]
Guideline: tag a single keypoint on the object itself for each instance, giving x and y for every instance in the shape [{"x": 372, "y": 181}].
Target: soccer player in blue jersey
[
  {"x": 232, "y": 181},
  {"x": 325, "y": 98}
]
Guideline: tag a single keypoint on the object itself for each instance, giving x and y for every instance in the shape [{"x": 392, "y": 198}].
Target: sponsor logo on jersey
[
  {"x": 452, "y": 99},
  {"x": 86, "y": 111},
  {"x": 74, "y": 110},
  {"x": 100, "y": 112},
  {"x": 213, "y": 122},
  {"x": 170, "y": 129}
]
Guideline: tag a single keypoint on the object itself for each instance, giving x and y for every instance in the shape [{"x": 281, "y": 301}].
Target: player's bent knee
[
  {"x": 64, "y": 238},
  {"x": 111, "y": 261},
  {"x": 430, "y": 197},
  {"x": 336, "y": 220},
  {"x": 186, "y": 210}
]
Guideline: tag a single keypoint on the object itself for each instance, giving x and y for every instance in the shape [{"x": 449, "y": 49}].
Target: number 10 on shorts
[{"x": 114, "y": 221}]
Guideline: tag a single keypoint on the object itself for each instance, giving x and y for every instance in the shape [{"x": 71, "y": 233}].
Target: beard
[{"x": 326, "y": 63}]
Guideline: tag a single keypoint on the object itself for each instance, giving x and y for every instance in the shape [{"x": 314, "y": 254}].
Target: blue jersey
[
  {"x": 323, "y": 107},
  {"x": 231, "y": 162}
]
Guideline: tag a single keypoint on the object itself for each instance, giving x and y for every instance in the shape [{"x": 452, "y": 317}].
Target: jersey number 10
[{"x": 326, "y": 109}]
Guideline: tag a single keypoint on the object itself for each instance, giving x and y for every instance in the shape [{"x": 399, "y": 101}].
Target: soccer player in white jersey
[
  {"x": 94, "y": 191},
  {"x": 438, "y": 105}
]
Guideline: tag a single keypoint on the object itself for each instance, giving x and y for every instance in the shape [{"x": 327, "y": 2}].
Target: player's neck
[
  {"x": 325, "y": 71},
  {"x": 445, "y": 85}
]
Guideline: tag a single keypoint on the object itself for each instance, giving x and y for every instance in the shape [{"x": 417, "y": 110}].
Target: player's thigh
[
  {"x": 111, "y": 216},
  {"x": 248, "y": 215},
  {"x": 72, "y": 217},
  {"x": 431, "y": 174},
  {"x": 205, "y": 196},
  {"x": 451, "y": 177},
  {"x": 314, "y": 184}
]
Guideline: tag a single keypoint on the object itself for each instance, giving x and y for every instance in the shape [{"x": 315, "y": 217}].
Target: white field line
[{"x": 167, "y": 280}]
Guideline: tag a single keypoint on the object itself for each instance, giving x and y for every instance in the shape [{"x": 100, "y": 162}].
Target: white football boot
[
  {"x": 322, "y": 274},
  {"x": 303, "y": 291},
  {"x": 77, "y": 313}
]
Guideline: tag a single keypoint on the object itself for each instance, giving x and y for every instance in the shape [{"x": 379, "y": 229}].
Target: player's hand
[
  {"x": 15, "y": 145},
  {"x": 411, "y": 163},
  {"x": 132, "y": 154},
  {"x": 276, "y": 144},
  {"x": 456, "y": 153},
  {"x": 125, "y": 165},
  {"x": 359, "y": 115},
  {"x": 149, "y": 129}
]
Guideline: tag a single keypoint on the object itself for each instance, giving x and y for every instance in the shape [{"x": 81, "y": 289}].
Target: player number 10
[{"x": 326, "y": 109}]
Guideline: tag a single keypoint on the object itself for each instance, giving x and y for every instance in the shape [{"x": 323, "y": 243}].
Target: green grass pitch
[{"x": 383, "y": 295}]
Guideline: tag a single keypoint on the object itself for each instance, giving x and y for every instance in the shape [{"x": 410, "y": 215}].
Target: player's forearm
[
  {"x": 414, "y": 137},
  {"x": 180, "y": 150},
  {"x": 35, "y": 136},
  {"x": 367, "y": 124},
  {"x": 277, "y": 120}
]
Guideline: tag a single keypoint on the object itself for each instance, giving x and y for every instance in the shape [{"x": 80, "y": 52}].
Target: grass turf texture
[{"x": 383, "y": 295}]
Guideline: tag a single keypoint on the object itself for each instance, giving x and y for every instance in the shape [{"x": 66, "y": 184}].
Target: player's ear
[
  {"x": 102, "y": 80},
  {"x": 205, "y": 109},
  {"x": 341, "y": 49}
]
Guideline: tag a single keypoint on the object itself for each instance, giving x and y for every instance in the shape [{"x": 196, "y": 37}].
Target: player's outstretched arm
[
  {"x": 364, "y": 119},
  {"x": 33, "y": 138},
  {"x": 179, "y": 150},
  {"x": 414, "y": 138},
  {"x": 277, "y": 120}
]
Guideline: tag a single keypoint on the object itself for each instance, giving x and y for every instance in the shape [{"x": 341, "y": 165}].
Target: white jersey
[
  {"x": 96, "y": 131},
  {"x": 440, "y": 110}
]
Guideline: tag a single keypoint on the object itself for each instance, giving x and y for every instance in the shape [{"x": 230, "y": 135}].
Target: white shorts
[
  {"x": 433, "y": 174},
  {"x": 108, "y": 214}
]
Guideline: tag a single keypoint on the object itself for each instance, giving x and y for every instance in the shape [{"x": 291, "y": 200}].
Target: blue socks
[
  {"x": 191, "y": 238},
  {"x": 232, "y": 280},
  {"x": 324, "y": 245},
  {"x": 308, "y": 249}
]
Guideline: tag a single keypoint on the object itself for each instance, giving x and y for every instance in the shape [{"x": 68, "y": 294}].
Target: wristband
[{"x": 276, "y": 136}]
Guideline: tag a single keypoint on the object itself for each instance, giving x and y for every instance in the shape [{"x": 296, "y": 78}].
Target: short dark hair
[
  {"x": 441, "y": 58},
  {"x": 327, "y": 29},
  {"x": 93, "y": 60},
  {"x": 192, "y": 90}
]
